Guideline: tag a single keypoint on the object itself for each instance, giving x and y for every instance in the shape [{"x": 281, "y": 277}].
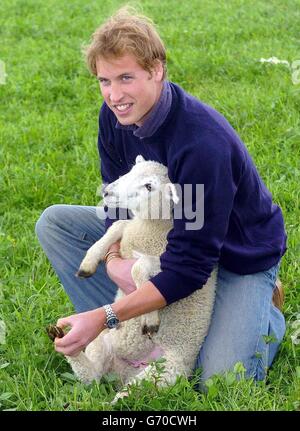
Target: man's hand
[
  {"x": 85, "y": 327},
  {"x": 119, "y": 270}
]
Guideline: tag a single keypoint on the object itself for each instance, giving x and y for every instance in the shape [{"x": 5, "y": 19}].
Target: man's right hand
[{"x": 119, "y": 270}]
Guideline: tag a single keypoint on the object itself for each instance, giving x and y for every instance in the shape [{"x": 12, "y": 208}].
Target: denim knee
[
  {"x": 43, "y": 220},
  {"x": 48, "y": 216},
  {"x": 54, "y": 215}
]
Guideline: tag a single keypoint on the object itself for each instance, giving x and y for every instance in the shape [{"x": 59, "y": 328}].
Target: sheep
[{"x": 174, "y": 333}]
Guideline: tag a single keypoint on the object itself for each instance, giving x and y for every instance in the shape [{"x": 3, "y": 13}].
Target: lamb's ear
[
  {"x": 139, "y": 159},
  {"x": 171, "y": 193}
]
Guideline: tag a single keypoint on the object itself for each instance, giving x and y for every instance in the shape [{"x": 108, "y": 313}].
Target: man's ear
[
  {"x": 171, "y": 193},
  {"x": 158, "y": 70},
  {"x": 139, "y": 159}
]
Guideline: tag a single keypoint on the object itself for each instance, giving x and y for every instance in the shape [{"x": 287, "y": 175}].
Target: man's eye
[
  {"x": 126, "y": 77},
  {"x": 103, "y": 81},
  {"x": 148, "y": 187}
]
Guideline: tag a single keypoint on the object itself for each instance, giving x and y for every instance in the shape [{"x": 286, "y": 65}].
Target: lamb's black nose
[{"x": 105, "y": 193}]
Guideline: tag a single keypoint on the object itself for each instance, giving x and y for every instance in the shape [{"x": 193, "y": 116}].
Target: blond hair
[{"x": 127, "y": 32}]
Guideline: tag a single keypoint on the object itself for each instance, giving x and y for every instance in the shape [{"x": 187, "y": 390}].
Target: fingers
[
  {"x": 72, "y": 350},
  {"x": 69, "y": 345},
  {"x": 63, "y": 322},
  {"x": 115, "y": 246},
  {"x": 69, "y": 339},
  {"x": 73, "y": 342}
]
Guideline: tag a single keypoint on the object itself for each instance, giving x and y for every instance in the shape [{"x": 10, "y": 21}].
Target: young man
[{"x": 243, "y": 231}]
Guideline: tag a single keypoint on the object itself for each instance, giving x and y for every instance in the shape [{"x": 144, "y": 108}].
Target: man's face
[{"x": 128, "y": 89}]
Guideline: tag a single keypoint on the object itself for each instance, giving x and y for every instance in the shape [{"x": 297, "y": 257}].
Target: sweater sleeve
[
  {"x": 193, "y": 249},
  {"x": 111, "y": 165}
]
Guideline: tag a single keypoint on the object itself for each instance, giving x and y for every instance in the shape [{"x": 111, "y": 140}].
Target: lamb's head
[{"x": 146, "y": 191}]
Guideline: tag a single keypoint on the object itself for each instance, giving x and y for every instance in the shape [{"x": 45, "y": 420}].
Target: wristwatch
[{"x": 111, "y": 319}]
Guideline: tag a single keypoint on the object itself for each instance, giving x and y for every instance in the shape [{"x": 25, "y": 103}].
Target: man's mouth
[{"x": 123, "y": 108}]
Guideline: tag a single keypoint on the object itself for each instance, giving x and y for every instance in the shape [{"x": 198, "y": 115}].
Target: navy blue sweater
[{"x": 242, "y": 231}]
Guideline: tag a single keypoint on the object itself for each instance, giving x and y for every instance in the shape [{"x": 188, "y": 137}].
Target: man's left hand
[{"x": 85, "y": 327}]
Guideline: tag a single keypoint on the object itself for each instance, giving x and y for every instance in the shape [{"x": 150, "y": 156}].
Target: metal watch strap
[{"x": 110, "y": 314}]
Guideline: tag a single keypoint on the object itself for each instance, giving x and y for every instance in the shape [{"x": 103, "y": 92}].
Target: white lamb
[{"x": 182, "y": 326}]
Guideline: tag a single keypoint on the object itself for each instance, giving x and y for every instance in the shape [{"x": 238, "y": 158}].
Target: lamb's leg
[
  {"x": 83, "y": 368},
  {"x": 172, "y": 368},
  {"x": 94, "y": 362},
  {"x": 144, "y": 268},
  {"x": 98, "y": 250}
]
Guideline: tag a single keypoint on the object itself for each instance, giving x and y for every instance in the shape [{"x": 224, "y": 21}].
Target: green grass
[{"x": 48, "y": 132}]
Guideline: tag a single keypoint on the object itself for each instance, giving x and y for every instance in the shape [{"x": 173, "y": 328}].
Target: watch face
[{"x": 112, "y": 323}]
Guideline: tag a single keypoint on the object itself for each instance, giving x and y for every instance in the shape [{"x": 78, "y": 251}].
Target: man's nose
[{"x": 116, "y": 93}]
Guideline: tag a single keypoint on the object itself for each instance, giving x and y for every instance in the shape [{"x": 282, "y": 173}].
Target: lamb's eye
[{"x": 148, "y": 187}]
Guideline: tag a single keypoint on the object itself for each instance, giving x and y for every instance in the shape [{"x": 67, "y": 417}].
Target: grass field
[{"x": 48, "y": 131}]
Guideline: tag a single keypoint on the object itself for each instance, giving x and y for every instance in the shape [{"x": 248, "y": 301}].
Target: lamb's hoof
[
  {"x": 54, "y": 331},
  {"x": 81, "y": 273},
  {"x": 150, "y": 330}
]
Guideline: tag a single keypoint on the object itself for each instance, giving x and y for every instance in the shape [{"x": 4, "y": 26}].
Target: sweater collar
[{"x": 155, "y": 117}]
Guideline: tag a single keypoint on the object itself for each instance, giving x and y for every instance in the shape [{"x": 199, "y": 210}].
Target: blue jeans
[{"x": 243, "y": 312}]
